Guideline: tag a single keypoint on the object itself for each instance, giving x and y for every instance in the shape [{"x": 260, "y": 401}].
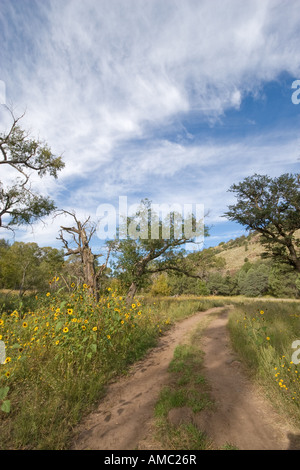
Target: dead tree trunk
[
  {"x": 81, "y": 237},
  {"x": 131, "y": 293}
]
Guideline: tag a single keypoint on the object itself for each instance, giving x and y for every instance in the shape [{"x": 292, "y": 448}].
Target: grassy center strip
[{"x": 187, "y": 394}]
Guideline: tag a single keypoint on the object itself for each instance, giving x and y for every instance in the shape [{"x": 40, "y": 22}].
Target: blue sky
[{"x": 166, "y": 99}]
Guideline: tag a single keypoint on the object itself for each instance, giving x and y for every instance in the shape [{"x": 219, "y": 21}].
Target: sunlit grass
[
  {"x": 263, "y": 334},
  {"x": 184, "y": 306},
  {"x": 60, "y": 357},
  {"x": 61, "y": 354},
  {"x": 62, "y": 349}
]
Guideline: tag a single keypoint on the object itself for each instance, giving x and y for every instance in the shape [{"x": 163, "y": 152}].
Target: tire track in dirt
[
  {"x": 243, "y": 416},
  {"x": 124, "y": 418}
]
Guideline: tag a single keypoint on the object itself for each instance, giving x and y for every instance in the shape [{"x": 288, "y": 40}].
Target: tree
[
  {"x": 81, "y": 234},
  {"x": 26, "y": 266},
  {"x": 183, "y": 284},
  {"x": 4, "y": 247},
  {"x": 160, "y": 285},
  {"x": 217, "y": 284},
  {"x": 140, "y": 254},
  {"x": 51, "y": 264},
  {"x": 272, "y": 208},
  {"x": 284, "y": 281},
  {"x": 19, "y": 204},
  {"x": 19, "y": 266},
  {"x": 255, "y": 281},
  {"x": 189, "y": 273}
]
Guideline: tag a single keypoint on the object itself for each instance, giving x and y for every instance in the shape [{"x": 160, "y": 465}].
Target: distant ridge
[{"x": 237, "y": 251}]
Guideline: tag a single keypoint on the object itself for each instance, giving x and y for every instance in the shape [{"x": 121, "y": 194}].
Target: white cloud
[
  {"x": 109, "y": 68},
  {"x": 101, "y": 79}
]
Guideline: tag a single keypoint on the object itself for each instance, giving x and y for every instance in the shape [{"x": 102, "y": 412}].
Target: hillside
[
  {"x": 236, "y": 252},
  {"x": 245, "y": 248}
]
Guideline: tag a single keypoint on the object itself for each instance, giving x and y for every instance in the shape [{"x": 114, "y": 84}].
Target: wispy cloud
[{"x": 111, "y": 84}]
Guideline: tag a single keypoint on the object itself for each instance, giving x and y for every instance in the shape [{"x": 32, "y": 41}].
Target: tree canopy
[
  {"x": 142, "y": 254},
  {"x": 19, "y": 202},
  {"x": 27, "y": 266},
  {"x": 270, "y": 206}
]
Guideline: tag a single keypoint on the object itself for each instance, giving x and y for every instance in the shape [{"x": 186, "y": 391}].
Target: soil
[{"x": 242, "y": 417}]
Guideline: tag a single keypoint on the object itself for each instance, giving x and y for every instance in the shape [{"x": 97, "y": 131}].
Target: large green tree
[
  {"x": 270, "y": 206},
  {"x": 153, "y": 244},
  {"x": 19, "y": 202}
]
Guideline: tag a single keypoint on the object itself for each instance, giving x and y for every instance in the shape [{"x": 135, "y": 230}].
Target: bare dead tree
[{"x": 81, "y": 235}]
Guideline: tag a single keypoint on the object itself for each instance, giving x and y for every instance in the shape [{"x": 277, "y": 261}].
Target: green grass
[
  {"x": 229, "y": 446},
  {"x": 264, "y": 343},
  {"x": 52, "y": 387},
  {"x": 59, "y": 359},
  {"x": 185, "y": 437},
  {"x": 184, "y": 306},
  {"x": 54, "y": 377}
]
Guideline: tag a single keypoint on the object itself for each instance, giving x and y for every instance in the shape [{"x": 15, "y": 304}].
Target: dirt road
[{"x": 243, "y": 418}]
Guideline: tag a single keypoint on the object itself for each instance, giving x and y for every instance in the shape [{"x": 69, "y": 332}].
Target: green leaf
[
  {"x": 5, "y": 406},
  {"x": 94, "y": 347},
  {"x": 3, "y": 392},
  {"x": 59, "y": 325}
]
